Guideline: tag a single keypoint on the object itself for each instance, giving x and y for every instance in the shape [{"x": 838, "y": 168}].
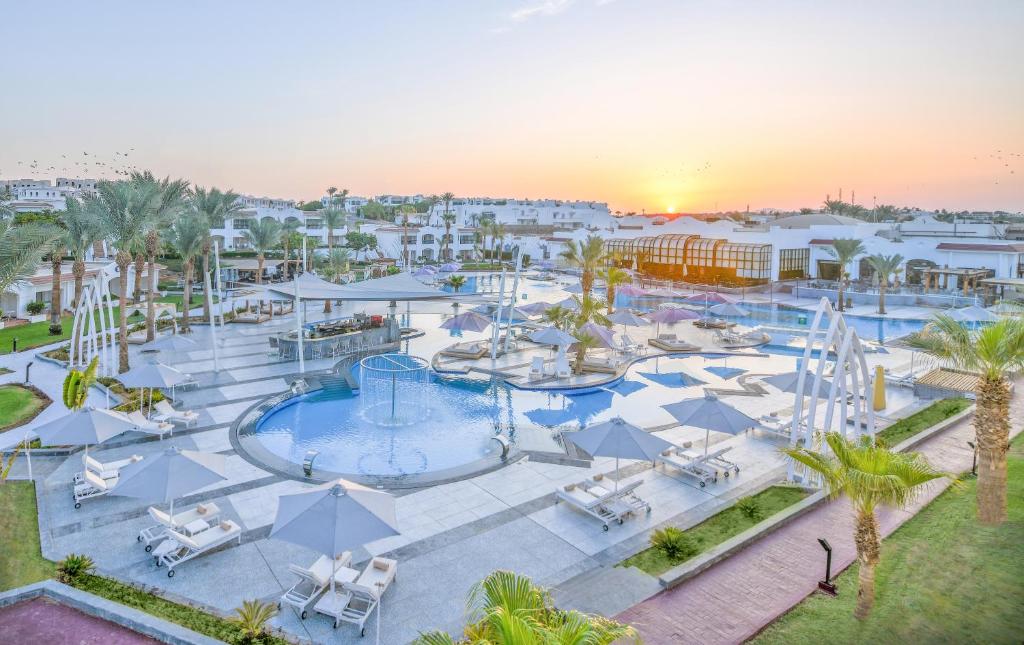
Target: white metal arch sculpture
[
  {"x": 850, "y": 365},
  {"x": 94, "y": 334}
]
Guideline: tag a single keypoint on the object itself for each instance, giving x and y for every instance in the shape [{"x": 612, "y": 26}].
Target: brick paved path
[{"x": 733, "y": 600}]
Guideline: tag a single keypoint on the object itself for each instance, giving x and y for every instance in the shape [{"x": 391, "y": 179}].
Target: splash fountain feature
[{"x": 393, "y": 389}]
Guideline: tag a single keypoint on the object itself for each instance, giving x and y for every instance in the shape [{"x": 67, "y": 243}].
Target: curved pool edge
[{"x": 241, "y": 434}]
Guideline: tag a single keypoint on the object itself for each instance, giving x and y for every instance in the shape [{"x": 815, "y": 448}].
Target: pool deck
[{"x": 452, "y": 534}]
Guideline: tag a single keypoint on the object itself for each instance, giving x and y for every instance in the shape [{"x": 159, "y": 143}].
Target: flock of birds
[
  {"x": 90, "y": 164},
  {"x": 1005, "y": 158}
]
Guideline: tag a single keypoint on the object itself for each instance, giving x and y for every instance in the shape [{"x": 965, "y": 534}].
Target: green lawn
[
  {"x": 719, "y": 528},
  {"x": 943, "y": 578},
  {"x": 20, "y": 560},
  {"x": 17, "y": 405},
  {"x": 922, "y": 420},
  {"x": 38, "y": 334},
  {"x": 178, "y": 299}
]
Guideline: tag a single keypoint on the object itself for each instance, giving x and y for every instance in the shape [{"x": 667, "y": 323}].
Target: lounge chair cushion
[
  {"x": 201, "y": 509},
  {"x": 581, "y": 498},
  {"x": 225, "y": 525},
  {"x": 321, "y": 571},
  {"x": 381, "y": 564}
]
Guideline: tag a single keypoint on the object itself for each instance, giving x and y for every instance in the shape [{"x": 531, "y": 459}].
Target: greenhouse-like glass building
[{"x": 691, "y": 258}]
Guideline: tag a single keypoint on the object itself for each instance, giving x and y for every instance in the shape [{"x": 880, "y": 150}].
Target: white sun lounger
[
  {"x": 537, "y": 368},
  {"x": 313, "y": 581},
  {"x": 150, "y": 426},
  {"x": 208, "y": 512},
  {"x": 624, "y": 501},
  {"x": 106, "y": 470},
  {"x": 562, "y": 369},
  {"x": 367, "y": 590},
  {"x": 689, "y": 464},
  {"x": 92, "y": 485},
  {"x": 179, "y": 548},
  {"x": 604, "y": 510},
  {"x": 167, "y": 413}
]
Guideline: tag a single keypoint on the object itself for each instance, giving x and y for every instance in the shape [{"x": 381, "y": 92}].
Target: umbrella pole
[
  {"x": 172, "y": 508},
  {"x": 707, "y": 438},
  {"x": 616, "y": 473}
]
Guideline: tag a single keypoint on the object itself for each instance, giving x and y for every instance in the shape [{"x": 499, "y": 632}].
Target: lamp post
[{"x": 826, "y": 584}]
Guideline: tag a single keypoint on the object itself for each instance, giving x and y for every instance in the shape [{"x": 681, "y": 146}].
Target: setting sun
[{"x": 670, "y": 209}]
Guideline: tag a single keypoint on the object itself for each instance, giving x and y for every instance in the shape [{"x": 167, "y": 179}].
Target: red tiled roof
[{"x": 991, "y": 248}]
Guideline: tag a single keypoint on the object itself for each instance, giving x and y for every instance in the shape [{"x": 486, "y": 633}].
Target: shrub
[
  {"x": 252, "y": 618},
  {"x": 675, "y": 543},
  {"x": 35, "y": 308},
  {"x": 73, "y": 567},
  {"x": 56, "y": 329},
  {"x": 750, "y": 507}
]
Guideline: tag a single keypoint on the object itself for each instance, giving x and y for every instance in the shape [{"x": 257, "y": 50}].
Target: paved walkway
[{"x": 735, "y": 599}]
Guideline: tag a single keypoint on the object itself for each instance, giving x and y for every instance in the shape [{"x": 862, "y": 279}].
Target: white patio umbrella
[
  {"x": 335, "y": 517},
  {"x": 172, "y": 343},
  {"x": 619, "y": 439},
  {"x": 467, "y": 321},
  {"x": 627, "y": 318},
  {"x": 709, "y": 413},
  {"x": 152, "y": 375},
  {"x": 788, "y": 382},
  {"x": 536, "y": 308},
  {"x": 973, "y": 313},
  {"x": 170, "y": 475},
  {"x": 552, "y": 336},
  {"x": 85, "y": 427},
  {"x": 728, "y": 309}
]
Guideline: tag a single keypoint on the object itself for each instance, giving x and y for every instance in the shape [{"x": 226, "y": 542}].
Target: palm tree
[
  {"x": 613, "y": 276},
  {"x": 868, "y": 475},
  {"x": 884, "y": 266},
  {"x": 334, "y": 265},
  {"x": 854, "y": 210},
  {"x": 448, "y": 218},
  {"x": 173, "y": 195},
  {"x": 214, "y": 206},
  {"x": 263, "y": 235},
  {"x": 834, "y": 206},
  {"x": 82, "y": 232},
  {"x": 993, "y": 352},
  {"x": 56, "y": 261},
  {"x": 289, "y": 237},
  {"x": 432, "y": 200},
  {"x": 497, "y": 237},
  {"x": 330, "y": 194},
  {"x": 587, "y": 256},
  {"x": 456, "y": 282},
  {"x": 404, "y": 211},
  {"x": 845, "y": 251},
  {"x": 187, "y": 234},
  {"x": 341, "y": 199},
  {"x": 884, "y": 213},
  {"x": 22, "y": 246},
  {"x": 124, "y": 209},
  {"x": 587, "y": 310},
  {"x": 559, "y": 316},
  {"x": 508, "y": 609}
]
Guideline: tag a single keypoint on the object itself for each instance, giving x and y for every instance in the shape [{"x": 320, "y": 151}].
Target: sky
[{"x": 649, "y": 105}]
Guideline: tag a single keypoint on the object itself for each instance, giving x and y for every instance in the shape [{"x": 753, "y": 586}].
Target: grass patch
[
  {"x": 922, "y": 420},
  {"x": 943, "y": 578},
  {"x": 21, "y": 562},
  {"x": 178, "y": 299},
  {"x": 18, "y": 404},
  {"x": 37, "y": 334},
  {"x": 719, "y": 528}
]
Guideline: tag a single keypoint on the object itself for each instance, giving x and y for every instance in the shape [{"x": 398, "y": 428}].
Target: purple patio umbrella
[
  {"x": 709, "y": 298},
  {"x": 468, "y": 321},
  {"x": 450, "y": 267},
  {"x": 423, "y": 272},
  {"x": 604, "y": 336},
  {"x": 670, "y": 316},
  {"x": 631, "y": 290},
  {"x": 536, "y": 308}
]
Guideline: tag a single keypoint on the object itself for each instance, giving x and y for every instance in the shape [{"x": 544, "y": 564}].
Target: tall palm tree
[
  {"x": 341, "y": 199},
  {"x": 588, "y": 309},
  {"x": 508, "y": 609},
  {"x": 333, "y": 218},
  {"x": 845, "y": 251},
  {"x": 993, "y": 352},
  {"x": 447, "y": 218},
  {"x": 432, "y": 200},
  {"x": 497, "y": 238},
  {"x": 834, "y": 206},
  {"x": 884, "y": 213},
  {"x": 187, "y": 234},
  {"x": 854, "y": 210},
  {"x": 262, "y": 236},
  {"x": 56, "y": 263},
  {"x": 587, "y": 256},
  {"x": 173, "y": 196},
  {"x": 215, "y": 206},
  {"x": 613, "y": 276},
  {"x": 124, "y": 208},
  {"x": 868, "y": 476},
  {"x": 404, "y": 212},
  {"x": 22, "y": 246},
  {"x": 456, "y": 282},
  {"x": 334, "y": 265},
  {"x": 289, "y": 237},
  {"x": 330, "y": 194},
  {"x": 884, "y": 266},
  {"x": 81, "y": 233}
]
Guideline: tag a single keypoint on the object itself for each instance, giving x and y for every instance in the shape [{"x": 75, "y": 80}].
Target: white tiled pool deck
[{"x": 452, "y": 534}]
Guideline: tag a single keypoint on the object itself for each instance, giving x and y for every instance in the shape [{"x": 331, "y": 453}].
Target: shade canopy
[
  {"x": 710, "y": 413},
  {"x": 152, "y": 375},
  {"x": 172, "y": 343},
  {"x": 710, "y": 298},
  {"x": 728, "y": 309},
  {"x": 517, "y": 313},
  {"x": 450, "y": 267},
  {"x": 575, "y": 287},
  {"x": 169, "y": 475},
  {"x": 569, "y": 303},
  {"x": 401, "y": 286},
  {"x": 672, "y": 315},
  {"x": 628, "y": 318},
  {"x": 536, "y": 308},
  {"x": 423, "y": 272},
  {"x": 468, "y": 321},
  {"x": 552, "y": 336},
  {"x": 88, "y": 426},
  {"x": 631, "y": 290},
  {"x": 973, "y": 313},
  {"x": 336, "y": 517},
  {"x": 604, "y": 336},
  {"x": 618, "y": 438},
  {"x": 788, "y": 382}
]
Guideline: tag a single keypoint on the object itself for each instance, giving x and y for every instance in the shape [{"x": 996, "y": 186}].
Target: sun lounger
[
  {"x": 670, "y": 343},
  {"x": 106, "y": 470},
  {"x": 576, "y": 495},
  {"x": 688, "y": 464},
  {"x": 537, "y": 368},
  {"x": 623, "y": 499},
  {"x": 472, "y": 351},
  {"x": 167, "y": 413},
  {"x": 562, "y": 369},
  {"x": 364, "y": 593},
  {"x": 606, "y": 365},
  {"x": 208, "y": 512},
  {"x": 179, "y": 548},
  {"x": 313, "y": 581},
  {"x": 150, "y": 426},
  {"x": 92, "y": 485}
]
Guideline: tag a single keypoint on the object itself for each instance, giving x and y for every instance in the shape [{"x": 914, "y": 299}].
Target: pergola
[
  {"x": 1001, "y": 284},
  {"x": 971, "y": 277}
]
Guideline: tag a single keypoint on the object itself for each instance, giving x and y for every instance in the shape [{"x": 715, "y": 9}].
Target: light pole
[
  {"x": 974, "y": 458},
  {"x": 826, "y": 585}
]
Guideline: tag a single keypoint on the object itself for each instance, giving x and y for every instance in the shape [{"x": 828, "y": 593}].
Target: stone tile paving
[{"x": 733, "y": 600}]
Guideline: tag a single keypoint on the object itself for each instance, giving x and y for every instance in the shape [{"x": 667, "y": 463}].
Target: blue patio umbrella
[
  {"x": 973, "y": 314},
  {"x": 710, "y": 414},
  {"x": 616, "y": 438},
  {"x": 672, "y": 379},
  {"x": 788, "y": 382},
  {"x": 450, "y": 267},
  {"x": 625, "y": 388},
  {"x": 468, "y": 321},
  {"x": 536, "y": 308}
]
